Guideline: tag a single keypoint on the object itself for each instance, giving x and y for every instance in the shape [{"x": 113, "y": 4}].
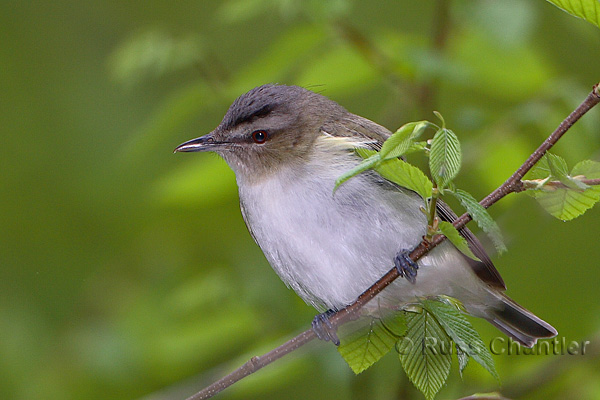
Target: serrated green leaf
[
  {"x": 458, "y": 328},
  {"x": 541, "y": 170},
  {"x": 554, "y": 168},
  {"x": 366, "y": 345},
  {"x": 448, "y": 230},
  {"x": 416, "y": 147},
  {"x": 549, "y": 168},
  {"x": 481, "y": 216},
  {"x": 444, "y": 157},
  {"x": 463, "y": 359},
  {"x": 406, "y": 175},
  {"x": 588, "y": 10},
  {"x": 366, "y": 164},
  {"x": 396, "y": 323},
  {"x": 394, "y": 170},
  {"x": 557, "y": 165},
  {"x": 568, "y": 203},
  {"x": 365, "y": 153},
  {"x": 425, "y": 353},
  {"x": 402, "y": 140},
  {"x": 588, "y": 168},
  {"x": 559, "y": 171}
]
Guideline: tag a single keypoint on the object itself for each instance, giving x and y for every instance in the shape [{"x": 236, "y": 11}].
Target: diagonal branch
[{"x": 512, "y": 184}]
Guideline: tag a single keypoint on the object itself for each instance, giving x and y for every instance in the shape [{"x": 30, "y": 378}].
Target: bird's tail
[{"x": 519, "y": 323}]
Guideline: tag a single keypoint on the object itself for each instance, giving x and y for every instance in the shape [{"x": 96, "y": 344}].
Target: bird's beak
[{"x": 203, "y": 143}]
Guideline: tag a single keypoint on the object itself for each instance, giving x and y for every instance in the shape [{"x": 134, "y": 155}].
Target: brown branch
[
  {"x": 512, "y": 184},
  {"x": 591, "y": 182},
  {"x": 254, "y": 364},
  {"x": 534, "y": 183},
  {"x": 489, "y": 396}
]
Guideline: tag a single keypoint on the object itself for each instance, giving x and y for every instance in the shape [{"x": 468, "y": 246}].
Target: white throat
[{"x": 330, "y": 247}]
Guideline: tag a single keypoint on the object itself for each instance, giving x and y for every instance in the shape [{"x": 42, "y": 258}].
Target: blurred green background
[{"x": 127, "y": 271}]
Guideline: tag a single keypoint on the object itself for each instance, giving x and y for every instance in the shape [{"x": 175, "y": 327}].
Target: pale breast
[{"x": 330, "y": 247}]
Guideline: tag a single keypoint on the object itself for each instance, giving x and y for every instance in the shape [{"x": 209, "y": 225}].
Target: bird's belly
[{"x": 331, "y": 247}]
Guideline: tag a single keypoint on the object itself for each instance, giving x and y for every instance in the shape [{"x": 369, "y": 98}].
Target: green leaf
[
  {"x": 588, "y": 168},
  {"x": 394, "y": 170},
  {"x": 366, "y": 164},
  {"x": 406, "y": 175},
  {"x": 366, "y": 345},
  {"x": 588, "y": 10},
  {"x": 444, "y": 157},
  {"x": 482, "y": 217},
  {"x": 448, "y": 230},
  {"x": 541, "y": 170},
  {"x": 554, "y": 168},
  {"x": 396, "y": 323},
  {"x": 461, "y": 332},
  {"x": 560, "y": 171},
  {"x": 402, "y": 140},
  {"x": 567, "y": 203},
  {"x": 425, "y": 353},
  {"x": 417, "y": 146},
  {"x": 557, "y": 165},
  {"x": 463, "y": 359}
]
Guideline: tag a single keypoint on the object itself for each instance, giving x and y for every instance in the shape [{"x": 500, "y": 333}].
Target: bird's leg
[
  {"x": 324, "y": 329},
  {"x": 406, "y": 267}
]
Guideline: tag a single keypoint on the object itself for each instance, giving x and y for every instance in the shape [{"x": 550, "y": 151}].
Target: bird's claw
[
  {"x": 324, "y": 329},
  {"x": 406, "y": 267}
]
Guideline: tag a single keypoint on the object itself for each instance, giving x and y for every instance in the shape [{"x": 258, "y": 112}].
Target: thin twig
[
  {"x": 491, "y": 396},
  {"x": 591, "y": 182},
  {"x": 512, "y": 184},
  {"x": 254, "y": 364},
  {"x": 534, "y": 183}
]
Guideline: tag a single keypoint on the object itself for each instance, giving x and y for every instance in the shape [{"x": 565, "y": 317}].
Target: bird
[{"x": 287, "y": 146}]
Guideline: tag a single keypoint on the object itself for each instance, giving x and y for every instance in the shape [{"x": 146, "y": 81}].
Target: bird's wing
[
  {"x": 374, "y": 135},
  {"x": 485, "y": 268},
  {"x": 360, "y": 131}
]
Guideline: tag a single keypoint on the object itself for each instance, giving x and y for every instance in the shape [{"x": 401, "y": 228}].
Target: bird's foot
[
  {"x": 406, "y": 267},
  {"x": 324, "y": 329}
]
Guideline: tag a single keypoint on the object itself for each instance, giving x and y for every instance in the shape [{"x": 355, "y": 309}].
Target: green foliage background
[{"x": 127, "y": 272}]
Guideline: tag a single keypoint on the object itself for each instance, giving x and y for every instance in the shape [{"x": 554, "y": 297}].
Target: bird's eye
[{"x": 259, "y": 136}]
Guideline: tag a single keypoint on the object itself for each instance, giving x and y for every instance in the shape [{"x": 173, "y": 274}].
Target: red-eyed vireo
[{"x": 287, "y": 146}]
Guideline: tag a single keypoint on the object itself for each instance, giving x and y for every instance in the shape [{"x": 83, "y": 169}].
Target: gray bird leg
[
  {"x": 406, "y": 267},
  {"x": 324, "y": 329}
]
